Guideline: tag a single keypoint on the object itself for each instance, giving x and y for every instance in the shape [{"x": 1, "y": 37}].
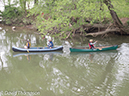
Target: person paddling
[
  {"x": 28, "y": 44},
  {"x": 91, "y": 44},
  {"x": 50, "y": 44}
]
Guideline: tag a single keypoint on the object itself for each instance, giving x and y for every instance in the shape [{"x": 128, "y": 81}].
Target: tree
[
  {"x": 113, "y": 13},
  {"x": 68, "y": 17},
  {"x": 35, "y": 1},
  {"x": 23, "y": 4}
]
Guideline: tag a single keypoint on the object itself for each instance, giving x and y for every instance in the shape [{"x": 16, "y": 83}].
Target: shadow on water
[
  {"x": 92, "y": 55},
  {"x": 15, "y": 54},
  {"x": 48, "y": 55}
]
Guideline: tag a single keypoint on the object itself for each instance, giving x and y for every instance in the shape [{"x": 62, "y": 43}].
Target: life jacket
[
  {"x": 28, "y": 44},
  {"x": 90, "y": 46}
]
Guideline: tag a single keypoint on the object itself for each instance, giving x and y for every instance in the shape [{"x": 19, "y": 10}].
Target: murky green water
[{"x": 62, "y": 73}]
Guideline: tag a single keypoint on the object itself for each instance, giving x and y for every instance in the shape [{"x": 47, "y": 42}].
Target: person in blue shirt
[{"x": 50, "y": 44}]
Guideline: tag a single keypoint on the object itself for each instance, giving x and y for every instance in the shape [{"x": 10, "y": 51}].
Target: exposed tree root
[
  {"x": 90, "y": 30},
  {"x": 103, "y": 32}
]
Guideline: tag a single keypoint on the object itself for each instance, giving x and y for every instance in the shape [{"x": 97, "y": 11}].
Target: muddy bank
[{"x": 15, "y": 28}]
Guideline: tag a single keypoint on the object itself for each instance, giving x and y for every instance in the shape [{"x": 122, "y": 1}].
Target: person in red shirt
[{"x": 91, "y": 44}]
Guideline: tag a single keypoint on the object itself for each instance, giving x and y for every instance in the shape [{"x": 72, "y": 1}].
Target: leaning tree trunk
[
  {"x": 118, "y": 24},
  {"x": 115, "y": 18},
  {"x": 35, "y": 2},
  {"x": 24, "y": 5}
]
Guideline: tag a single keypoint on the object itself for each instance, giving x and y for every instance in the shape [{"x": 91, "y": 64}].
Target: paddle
[
  {"x": 100, "y": 48},
  {"x": 28, "y": 51}
]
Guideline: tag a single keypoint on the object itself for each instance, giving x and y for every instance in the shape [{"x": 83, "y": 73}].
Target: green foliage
[
  {"x": 12, "y": 14},
  {"x": 60, "y": 14},
  {"x": 128, "y": 22},
  {"x": 16, "y": 15},
  {"x": 121, "y": 7}
]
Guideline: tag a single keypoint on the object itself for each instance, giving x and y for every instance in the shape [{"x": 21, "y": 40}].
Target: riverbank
[
  {"x": 97, "y": 29},
  {"x": 14, "y": 28}
]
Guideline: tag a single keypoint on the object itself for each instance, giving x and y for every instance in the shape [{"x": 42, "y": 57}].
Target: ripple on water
[
  {"x": 123, "y": 54},
  {"x": 122, "y": 67},
  {"x": 0, "y": 28}
]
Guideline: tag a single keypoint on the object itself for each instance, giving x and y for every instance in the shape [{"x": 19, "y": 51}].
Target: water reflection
[
  {"x": 76, "y": 73},
  {"x": 1, "y": 63},
  {"x": 46, "y": 55},
  {"x": 0, "y": 28},
  {"x": 63, "y": 73},
  {"x": 123, "y": 56},
  {"x": 28, "y": 57},
  {"x": 95, "y": 57}
]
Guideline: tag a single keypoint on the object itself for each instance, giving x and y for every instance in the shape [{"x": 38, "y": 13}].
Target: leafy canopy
[{"x": 60, "y": 14}]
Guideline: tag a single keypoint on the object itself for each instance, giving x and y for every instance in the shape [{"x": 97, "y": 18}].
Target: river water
[{"x": 62, "y": 73}]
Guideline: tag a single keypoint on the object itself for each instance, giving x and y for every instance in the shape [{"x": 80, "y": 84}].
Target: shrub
[
  {"x": 128, "y": 22},
  {"x": 12, "y": 14}
]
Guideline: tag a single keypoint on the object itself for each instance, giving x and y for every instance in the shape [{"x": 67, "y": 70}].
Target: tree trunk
[
  {"x": 24, "y": 4},
  {"x": 35, "y": 2},
  {"x": 115, "y": 18},
  {"x": 9, "y": 2},
  {"x": 4, "y": 3}
]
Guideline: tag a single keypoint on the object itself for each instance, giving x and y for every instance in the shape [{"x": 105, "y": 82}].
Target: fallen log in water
[{"x": 103, "y": 32}]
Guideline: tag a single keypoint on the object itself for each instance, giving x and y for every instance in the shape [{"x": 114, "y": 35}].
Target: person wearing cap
[
  {"x": 50, "y": 44},
  {"x": 91, "y": 44},
  {"x": 28, "y": 44}
]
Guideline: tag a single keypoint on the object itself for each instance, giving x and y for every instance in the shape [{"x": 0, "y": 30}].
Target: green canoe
[{"x": 102, "y": 48}]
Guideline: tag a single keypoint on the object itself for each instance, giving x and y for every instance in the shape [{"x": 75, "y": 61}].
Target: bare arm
[{"x": 93, "y": 43}]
